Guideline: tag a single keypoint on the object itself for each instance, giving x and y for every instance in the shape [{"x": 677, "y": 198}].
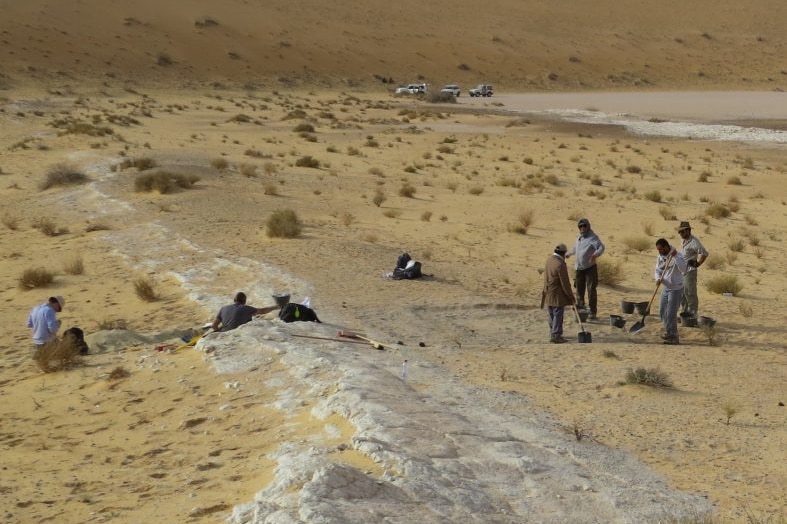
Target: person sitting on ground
[
  {"x": 238, "y": 313},
  {"x": 44, "y": 322}
]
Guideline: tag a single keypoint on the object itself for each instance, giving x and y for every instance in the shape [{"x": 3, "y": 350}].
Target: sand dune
[{"x": 516, "y": 44}]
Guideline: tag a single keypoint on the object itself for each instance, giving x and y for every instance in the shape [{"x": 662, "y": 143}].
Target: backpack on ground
[
  {"x": 297, "y": 313},
  {"x": 77, "y": 336},
  {"x": 411, "y": 270}
]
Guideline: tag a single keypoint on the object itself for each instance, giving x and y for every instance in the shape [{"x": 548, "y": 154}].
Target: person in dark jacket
[{"x": 557, "y": 293}]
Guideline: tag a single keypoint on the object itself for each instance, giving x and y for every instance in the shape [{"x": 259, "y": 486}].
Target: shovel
[
  {"x": 640, "y": 325},
  {"x": 583, "y": 337}
]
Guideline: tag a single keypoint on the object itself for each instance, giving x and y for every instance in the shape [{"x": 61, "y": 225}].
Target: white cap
[{"x": 61, "y": 301}]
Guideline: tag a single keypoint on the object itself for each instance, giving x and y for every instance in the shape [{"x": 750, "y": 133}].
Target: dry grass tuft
[
  {"x": 652, "y": 377},
  {"x": 379, "y": 197},
  {"x": 96, "y": 226},
  {"x": 638, "y": 244},
  {"x": 75, "y": 266},
  {"x": 164, "y": 182},
  {"x": 58, "y": 355},
  {"x": 525, "y": 219},
  {"x": 112, "y": 323},
  {"x": 308, "y": 161},
  {"x": 146, "y": 289},
  {"x": 407, "y": 190},
  {"x": 724, "y": 284},
  {"x": 610, "y": 272},
  {"x": 35, "y": 277},
  {"x": 283, "y": 223},
  {"x": 118, "y": 373},
  {"x": 48, "y": 227},
  {"x": 63, "y": 175},
  {"x": 11, "y": 222}
]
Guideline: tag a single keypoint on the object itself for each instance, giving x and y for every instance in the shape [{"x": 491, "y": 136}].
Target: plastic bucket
[
  {"x": 626, "y": 306},
  {"x": 642, "y": 308},
  {"x": 617, "y": 321},
  {"x": 282, "y": 299}
]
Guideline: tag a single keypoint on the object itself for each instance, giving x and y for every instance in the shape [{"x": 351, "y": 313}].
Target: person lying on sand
[{"x": 238, "y": 313}]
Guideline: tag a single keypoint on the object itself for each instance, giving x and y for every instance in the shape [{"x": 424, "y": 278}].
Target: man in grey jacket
[{"x": 587, "y": 250}]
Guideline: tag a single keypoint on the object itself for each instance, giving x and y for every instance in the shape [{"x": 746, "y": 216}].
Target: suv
[
  {"x": 451, "y": 88},
  {"x": 411, "y": 89},
  {"x": 482, "y": 90}
]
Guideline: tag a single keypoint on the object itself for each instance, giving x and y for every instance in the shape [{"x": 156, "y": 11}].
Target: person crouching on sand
[
  {"x": 44, "y": 322},
  {"x": 238, "y": 313}
]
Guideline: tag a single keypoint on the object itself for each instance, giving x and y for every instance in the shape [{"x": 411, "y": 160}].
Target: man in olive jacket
[{"x": 557, "y": 293}]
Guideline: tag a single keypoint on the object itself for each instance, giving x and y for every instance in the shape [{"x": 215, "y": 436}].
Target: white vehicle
[
  {"x": 482, "y": 90},
  {"x": 411, "y": 89},
  {"x": 451, "y": 88}
]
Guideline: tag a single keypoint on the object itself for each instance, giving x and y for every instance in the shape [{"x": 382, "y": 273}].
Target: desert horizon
[{"x": 144, "y": 158}]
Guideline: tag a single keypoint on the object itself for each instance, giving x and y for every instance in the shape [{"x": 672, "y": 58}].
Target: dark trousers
[
  {"x": 587, "y": 278},
  {"x": 555, "y": 316}
]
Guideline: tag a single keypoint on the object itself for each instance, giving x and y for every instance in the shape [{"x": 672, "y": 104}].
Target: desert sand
[{"x": 490, "y": 423}]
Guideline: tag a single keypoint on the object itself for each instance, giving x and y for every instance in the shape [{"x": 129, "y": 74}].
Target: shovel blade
[{"x": 637, "y": 327}]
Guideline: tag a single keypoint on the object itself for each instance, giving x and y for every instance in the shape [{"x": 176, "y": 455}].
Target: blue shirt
[{"x": 43, "y": 320}]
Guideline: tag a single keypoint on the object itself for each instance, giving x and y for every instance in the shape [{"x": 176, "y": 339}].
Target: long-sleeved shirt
[
  {"x": 44, "y": 322},
  {"x": 672, "y": 276},
  {"x": 588, "y": 244}
]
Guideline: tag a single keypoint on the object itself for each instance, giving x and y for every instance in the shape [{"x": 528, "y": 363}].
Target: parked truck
[{"x": 482, "y": 90}]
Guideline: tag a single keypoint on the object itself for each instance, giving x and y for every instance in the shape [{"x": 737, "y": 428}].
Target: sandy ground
[{"x": 82, "y": 446}]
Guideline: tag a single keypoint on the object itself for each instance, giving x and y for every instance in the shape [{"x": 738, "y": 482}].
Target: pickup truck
[
  {"x": 411, "y": 89},
  {"x": 451, "y": 88},
  {"x": 482, "y": 90}
]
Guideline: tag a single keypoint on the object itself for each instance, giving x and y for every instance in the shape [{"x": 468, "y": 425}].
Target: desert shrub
[
  {"x": 11, "y": 222},
  {"x": 525, "y": 219},
  {"x": 283, "y": 223},
  {"x": 96, "y": 226},
  {"x": 426, "y": 216},
  {"x": 634, "y": 169},
  {"x": 714, "y": 262},
  {"x": 270, "y": 168},
  {"x": 667, "y": 213},
  {"x": 736, "y": 244},
  {"x": 63, "y": 175},
  {"x": 746, "y": 310},
  {"x": 647, "y": 228},
  {"x": 48, "y": 227},
  {"x": 407, "y": 190},
  {"x": 731, "y": 257},
  {"x": 704, "y": 176},
  {"x": 248, "y": 170},
  {"x": 734, "y": 180},
  {"x": 57, "y": 355},
  {"x": 638, "y": 244},
  {"x": 164, "y": 182},
  {"x": 724, "y": 284},
  {"x": 75, "y": 266},
  {"x": 270, "y": 189},
  {"x": 112, "y": 323},
  {"x": 653, "y": 377},
  {"x": 75, "y": 126},
  {"x": 220, "y": 164},
  {"x": 392, "y": 213},
  {"x": 610, "y": 272},
  {"x": 379, "y": 197},
  {"x": 653, "y": 196},
  {"x": 304, "y": 127},
  {"x": 163, "y": 59},
  {"x": 439, "y": 97},
  {"x": 717, "y": 210},
  {"x": 476, "y": 190},
  {"x": 35, "y": 277},
  {"x": 146, "y": 289},
  {"x": 141, "y": 164},
  {"x": 308, "y": 161}
]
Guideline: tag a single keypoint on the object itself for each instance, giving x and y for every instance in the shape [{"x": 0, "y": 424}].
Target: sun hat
[
  {"x": 561, "y": 248},
  {"x": 583, "y": 222},
  {"x": 684, "y": 225},
  {"x": 61, "y": 301}
]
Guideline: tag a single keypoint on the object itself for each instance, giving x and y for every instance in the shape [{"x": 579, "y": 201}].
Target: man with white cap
[
  {"x": 557, "y": 293},
  {"x": 43, "y": 320}
]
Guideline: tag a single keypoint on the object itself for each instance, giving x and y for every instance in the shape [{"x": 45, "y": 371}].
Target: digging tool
[
  {"x": 347, "y": 339},
  {"x": 583, "y": 337},
  {"x": 640, "y": 325},
  {"x": 353, "y": 334}
]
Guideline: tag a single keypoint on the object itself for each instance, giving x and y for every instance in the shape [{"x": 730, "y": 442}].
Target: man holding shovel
[
  {"x": 557, "y": 293},
  {"x": 670, "y": 267}
]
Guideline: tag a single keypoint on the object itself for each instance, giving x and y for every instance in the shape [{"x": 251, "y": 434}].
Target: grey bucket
[
  {"x": 282, "y": 299},
  {"x": 626, "y": 306},
  {"x": 642, "y": 308}
]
